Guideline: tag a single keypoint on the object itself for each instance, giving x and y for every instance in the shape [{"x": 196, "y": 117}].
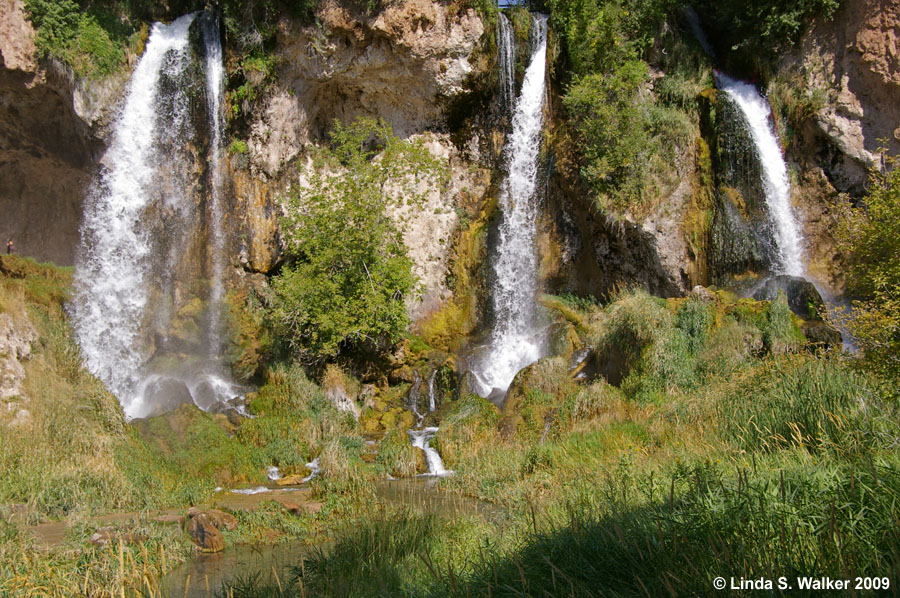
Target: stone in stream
[
  {"x": 205, "y": 528},
  {"x": 204, "y": 534}
]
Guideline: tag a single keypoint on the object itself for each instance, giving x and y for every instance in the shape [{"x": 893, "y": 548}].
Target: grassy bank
[
  {"x": 69, "y": 455},
  {"x": 727, "y": 449}
]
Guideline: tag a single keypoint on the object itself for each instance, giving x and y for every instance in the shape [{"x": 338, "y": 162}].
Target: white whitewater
[
  {"x": 757, "y": 114},
  {"x": 506, "y": 56},
  {"x": 139, "y": 223},
  {"x": 215, "y": 87},
  {"x": 111, "y": 296},
  {"x": 516, "y": 339},
  {"x": 421, "y": 439}
]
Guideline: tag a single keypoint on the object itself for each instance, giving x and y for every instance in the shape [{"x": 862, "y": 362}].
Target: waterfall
[
  {"x": 506, "y": 55},
  {"x": 421, "y": 439},
  {"x": 139, "y": 315},
  {"x": 516, "y": 338},
  {"x": 777, "y": 186},
  {"x": 215, "y": 84}
]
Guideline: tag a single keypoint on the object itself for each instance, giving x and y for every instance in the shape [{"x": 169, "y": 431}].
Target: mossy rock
[
  {"x": 468, "y": 425},
  {"x": 533, "y": 395}
]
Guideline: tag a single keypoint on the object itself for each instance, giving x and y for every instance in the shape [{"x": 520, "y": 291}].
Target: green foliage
[
  {"x": 237, "y": 147},
  {"x": 628, "y": 139},
  {"x": 348, "y": 277},
  {"x": 90, "y": 39},
  {"x": 763, "y": 27},
  {"x": 815, "y": 404},
  {"x": 870, "y": 236},
  {"x": 397, "y": 454}
]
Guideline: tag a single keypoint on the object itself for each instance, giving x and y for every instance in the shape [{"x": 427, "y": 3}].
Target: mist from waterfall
[
  {"x": 776, "y": 184},
  {"x": 517, "y": 339},
  {"x": 143, "y": 253}
]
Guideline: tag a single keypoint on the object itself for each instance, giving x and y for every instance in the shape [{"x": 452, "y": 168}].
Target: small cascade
[
  {"x": 431, "y": 398},
  {"x": 421, "y": 439},
  {"x": 421, "y": 436},
  {"x": 506, "y": 58},
  {"x": 757, "y": 115},
  {"x": 149, "y": 278},
  {"x": 517, "y": 339}
]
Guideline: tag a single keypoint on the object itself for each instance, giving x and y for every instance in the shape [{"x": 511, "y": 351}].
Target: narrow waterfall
[
  {"x": 506, "y": 56},
  {"x": 215, "y": 86},
  {"x": 148, "y": 278},
  {"x": 757, "y": 114},
  {"x": 516, "y": 337}
]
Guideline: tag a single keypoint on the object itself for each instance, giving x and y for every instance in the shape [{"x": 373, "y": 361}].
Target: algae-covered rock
[
  {"x": 534, "y": 394},
  {"x": 802, "y": 296},
  {"x": 467, "y": 425}
]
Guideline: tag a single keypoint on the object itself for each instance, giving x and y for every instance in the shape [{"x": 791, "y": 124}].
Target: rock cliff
[{"x": 51, "y": 134}]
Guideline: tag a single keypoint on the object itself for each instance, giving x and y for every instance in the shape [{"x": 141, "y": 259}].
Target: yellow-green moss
[{"x": 459, "y": 316}]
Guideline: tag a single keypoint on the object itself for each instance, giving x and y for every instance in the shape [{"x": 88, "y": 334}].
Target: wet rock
[
  {"x": 166, "y": 394},
  {"x": 217, "y": 518},
  {"x": 564, "y": 340},
  {"x": 290, "y": 480},
  {"x": 547, "y": 378},
  {"x": 820, "y": 335},
  {"x": 802, "y": 296},
  {"x": 205, "y": 534}
]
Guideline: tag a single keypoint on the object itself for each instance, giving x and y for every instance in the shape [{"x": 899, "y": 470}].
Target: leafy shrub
[
  {"x": 870, "y": 235},
  {"x": 91, "y": 41},
  {"x": 347, "y": 279}
]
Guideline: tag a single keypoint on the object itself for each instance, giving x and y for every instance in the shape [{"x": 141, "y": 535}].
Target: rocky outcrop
[
  {"x": 51, "y": 131},
  {"x": 16, "y": 338},
  {"x": 402, "y": 64},
  {"x": 853, "y": 62}
]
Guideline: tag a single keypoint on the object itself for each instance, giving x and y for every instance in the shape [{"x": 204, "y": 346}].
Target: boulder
[
  {"x": 205, "y": 534},
  {"x": 802, "y": 296},
  {"x": 821, "y": 335}
]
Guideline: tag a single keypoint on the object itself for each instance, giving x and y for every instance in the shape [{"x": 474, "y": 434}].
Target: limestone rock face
[
  {"x": 51, "y": 132},
  {"x": 855, "y": 60},
  {"x": 16, "y": 338},
  {"x": 399, "y": 65}
]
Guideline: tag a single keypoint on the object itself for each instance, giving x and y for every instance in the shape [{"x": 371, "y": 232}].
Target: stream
[{"x": 213, "y": 571}]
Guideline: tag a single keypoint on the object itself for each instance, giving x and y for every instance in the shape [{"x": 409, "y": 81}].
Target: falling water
[
  {"x": 757, "y": 113},
  {"x": 516, "y": 338},
  {"x": 215, "y": 81},
  {"x": 421, "y": 439},
  {"x": 506, "y": 51},
  {"x": 142, "y": 235}
]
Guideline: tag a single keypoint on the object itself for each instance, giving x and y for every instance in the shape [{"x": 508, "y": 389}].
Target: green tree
[
  {"x": 870, "y": 236},
  {"x": 347, "y": 277}
]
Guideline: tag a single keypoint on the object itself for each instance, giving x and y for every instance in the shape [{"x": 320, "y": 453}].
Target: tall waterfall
[
  {"x": 777, "y": 186},
  {"x": 215, "y": 84},
  {"x": 151, "y": 239},
  {"x": 516, "y": 340}
]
